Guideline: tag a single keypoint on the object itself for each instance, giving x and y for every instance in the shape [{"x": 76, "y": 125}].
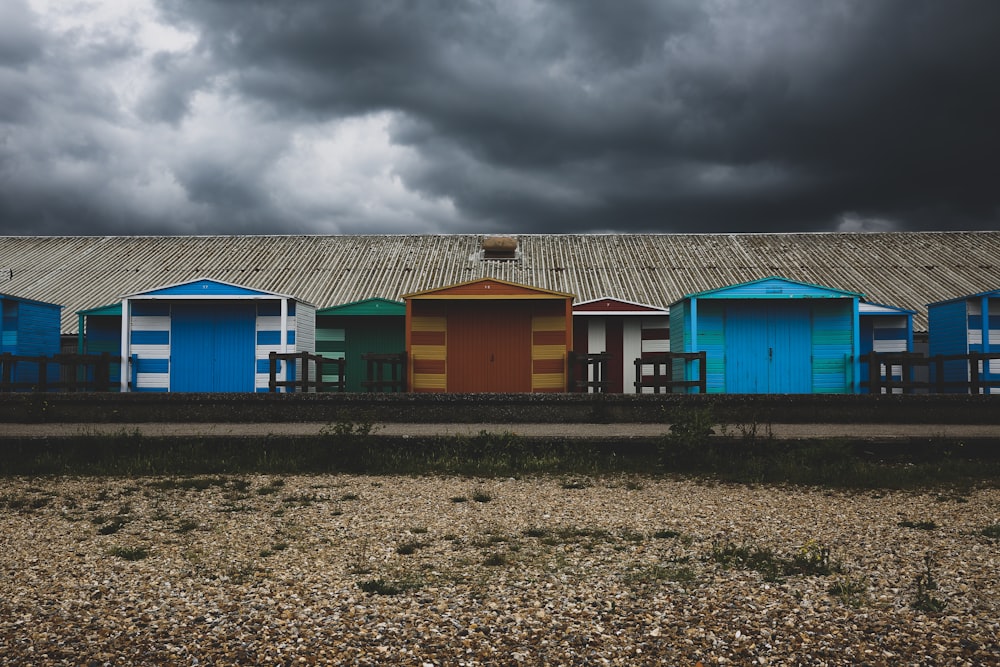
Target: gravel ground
[{"x": 450, "y": 571}]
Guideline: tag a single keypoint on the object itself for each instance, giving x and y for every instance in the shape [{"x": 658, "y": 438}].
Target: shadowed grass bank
[{"x": 836, "y": 463}]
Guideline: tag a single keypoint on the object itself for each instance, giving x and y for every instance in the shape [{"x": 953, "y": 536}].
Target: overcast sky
[{"x": 502, "y": 116}]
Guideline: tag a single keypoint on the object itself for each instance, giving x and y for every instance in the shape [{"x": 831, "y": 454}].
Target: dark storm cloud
[{"x": 547, "y": 116}]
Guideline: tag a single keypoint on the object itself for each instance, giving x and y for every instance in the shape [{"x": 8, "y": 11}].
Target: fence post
[
  {"x": 874, "y": 374},
  {"x": 272, "y": 382},
  {"x": 974, "y": 384},
  {"x": 703, "y": 370}
]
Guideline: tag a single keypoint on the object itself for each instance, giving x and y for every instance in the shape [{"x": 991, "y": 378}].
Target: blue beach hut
[
  {"x": 210, "y": 336},
  {"x": 962, "y": 325},
  {"x": 770, "y": 336},
  {"x": 29, "y": 328}
]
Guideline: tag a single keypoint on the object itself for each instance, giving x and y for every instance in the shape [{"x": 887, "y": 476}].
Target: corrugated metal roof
[{"x": 902, "y": 269}]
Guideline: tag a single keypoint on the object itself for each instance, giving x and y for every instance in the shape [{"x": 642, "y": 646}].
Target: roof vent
[{"x": 499, "y": 247}]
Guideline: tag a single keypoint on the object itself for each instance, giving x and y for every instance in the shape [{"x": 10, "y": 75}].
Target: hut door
[
  {"x": 768, "y": 348},
  {"x": 489, "y": 347},
  {"x": 212, "y": 346}
]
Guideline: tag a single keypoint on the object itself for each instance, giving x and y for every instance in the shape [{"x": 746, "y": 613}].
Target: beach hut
[
  {"x": 770, "y": 336},
  {"x": 885, "y": 329},
  {"x": 29, "y": 328},
  {"x": 210, "y": 336},
  {"x": 626, "y": 331},
  {"x": 99, "y": 330},
  {"x": 962, "y": 325},
  {"x": 488, "y": 335},
  {"x": 349, "y": 330}
]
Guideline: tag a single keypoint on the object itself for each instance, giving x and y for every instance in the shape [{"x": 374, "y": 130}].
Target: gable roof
[
  {"x": 988, "y": 294},
  {"x": 611, "y": 306},
  {"x": 204, "y": 288},
  {"x": 773, "y": 287},
  {"x": 376, "y": 306},
  {"x": 906, "y": 269},
  {"x": 487, "y": 288}
]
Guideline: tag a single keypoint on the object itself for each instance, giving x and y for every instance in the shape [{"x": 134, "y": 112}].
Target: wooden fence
[
  {"x": 310, "y": 366},
  {"x": 897, "y": 372},
  {"x": 60, "y": 372},
  {"x": 386, "y": 372},
  {"x": 588, "y": 372},
  {"x": 662, "y": 378}
]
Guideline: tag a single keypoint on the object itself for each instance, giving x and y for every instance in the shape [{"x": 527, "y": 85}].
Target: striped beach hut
[
  {"x": 29, "y": 328},
  {"x": 352, "y": 329},
  {"x": 962, "y": 325},
  {"x": 625, "y": 330},
  {"x": 770, "y": 336},
  {"x": 884, "y": 329},
  {"x": 210, "y": 336},
  {"x": 488, "y": 335}
]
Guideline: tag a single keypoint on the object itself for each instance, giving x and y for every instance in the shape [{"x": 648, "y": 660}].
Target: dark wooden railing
[
  {"x": 662, "y": 378},
  {"x": 76, "y": 372},
  {"x": 882, "y": 379},
  {"x": 588, "y": 372},
  {"x": 386, "y": 372},
  {"x": 302, "y": 382}
]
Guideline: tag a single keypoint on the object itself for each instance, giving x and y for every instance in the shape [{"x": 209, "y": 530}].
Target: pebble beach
[{"x": 358, "y": 570}]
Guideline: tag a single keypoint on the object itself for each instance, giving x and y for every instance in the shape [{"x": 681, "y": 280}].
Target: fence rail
[
  {"x": 73, "y": 372},
  {"x": 301, "y": 381},
  {"x": 884, "y": 378},
  {"x": 386, "y": 372},
  {"x": 588, "y": 372},
  {"x": 662, "y": 377}
]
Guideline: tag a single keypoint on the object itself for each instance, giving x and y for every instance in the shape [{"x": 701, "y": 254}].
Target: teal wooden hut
[
  {"x": 770, "y": 336},
  {"x": 349, "y": 330},
  {"x": 99, "y": 330}
]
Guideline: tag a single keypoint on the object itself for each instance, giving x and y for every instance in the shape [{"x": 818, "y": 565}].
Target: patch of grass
[
  {"x": 849, "y": 590},
  {"x": 111, "y": 528},
  {"x": 350, "y": 496},
  {"x": 419, "y": 530},
  {"x": 495, "y": 559},
  {"x": 459, "y": 499},
  {"x": 481, "y": 496},
  {"x": 536, "y": 532},
  {"x": 129, "y": 553},
  {"x": 409, "y": 548},
  {"x": 666, "y": 534},
  {"x": 186, "y": 526},
  {"x": 919, "y": 525},
  {"x": 992, "y": 531},
  {"x": 744, "y": 556},
  {"x": 383, "y": 587},
  {"x": 576, "y": 484},
  {"x": 923, "y": 599}
]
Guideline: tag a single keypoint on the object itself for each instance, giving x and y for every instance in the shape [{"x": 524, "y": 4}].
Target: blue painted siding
[
  {"x": 149, "y": 337},
  {"x": 948, "y": 333},
  {"x": 29, "y": 328},
  {"x": 212, "y": 346},
  {"x": 712, "y": 340},
  {"x": 679, "y": 323},
  {"x": 768, "y": 347},
  {"x": 832, "y": 347}
]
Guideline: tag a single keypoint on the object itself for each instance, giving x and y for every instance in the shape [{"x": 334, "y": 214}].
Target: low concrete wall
[{"x": 494, "y": 408}]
